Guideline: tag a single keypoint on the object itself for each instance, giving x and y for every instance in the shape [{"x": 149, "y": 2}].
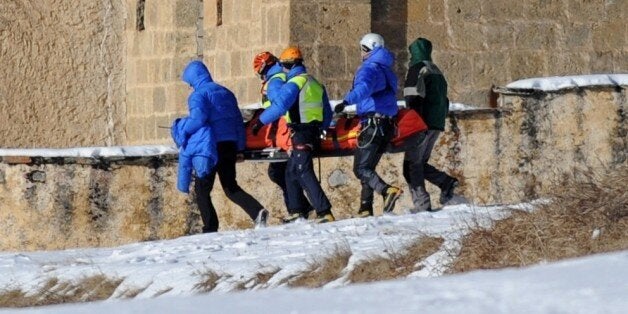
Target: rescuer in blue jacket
[
  {"x": 374, "y": 93},
  {"x": 214, "y": 106},
  {"x": 304, "y": 102},
  {"x": 270, "y": 71}
]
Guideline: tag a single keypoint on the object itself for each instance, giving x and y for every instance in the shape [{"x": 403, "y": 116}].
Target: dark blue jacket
[
  {"x": 288, "y": 96},
  {"x": 221, "y": 106},
  {"x": 375, "y": 85}
]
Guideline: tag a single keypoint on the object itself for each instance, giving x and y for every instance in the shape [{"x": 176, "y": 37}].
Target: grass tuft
[
  {"x": 585, "y": 216},
  {"x": 396, "y": 264},
  {"x": 54, "y": 291},
  {"x": 319, "y": 273}
]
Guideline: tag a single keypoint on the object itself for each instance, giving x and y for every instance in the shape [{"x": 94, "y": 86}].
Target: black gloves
[
  {"x": 341, "y": 106},
  {"x": 256, "y": 127}
]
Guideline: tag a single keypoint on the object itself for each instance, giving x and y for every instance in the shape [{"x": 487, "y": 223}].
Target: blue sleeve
[
  {"x": 198, "y": 117},
  {"x": 273, "y": 88},
  {"x": 363, "y": 86},
  {"x": 285, "y": 99},
  {"x": 327, "y": 112}
]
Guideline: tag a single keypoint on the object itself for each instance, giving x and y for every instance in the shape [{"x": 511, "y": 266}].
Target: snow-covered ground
[{"x": 591, "y": 285}]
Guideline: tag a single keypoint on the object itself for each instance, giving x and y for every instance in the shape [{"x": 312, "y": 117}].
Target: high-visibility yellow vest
[
  {"x": 265, "y": 101},
  {"x": 309, "y": 106}
]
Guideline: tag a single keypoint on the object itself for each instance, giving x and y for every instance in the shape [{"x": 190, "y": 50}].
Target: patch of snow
[
  {"x": 93, "y": 152},
  {"x": 556, "y": 83}
]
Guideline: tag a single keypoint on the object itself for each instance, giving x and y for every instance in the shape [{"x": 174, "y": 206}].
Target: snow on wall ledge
[{"x": 53, "y": 199}]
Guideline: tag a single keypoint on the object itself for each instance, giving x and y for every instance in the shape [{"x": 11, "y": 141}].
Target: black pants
[
  {"x": 300, "y": 174},
  {"x": 277, "y": 174},
  {"x": 374, "y": 137},
  {"x": 226, "y": 170}
]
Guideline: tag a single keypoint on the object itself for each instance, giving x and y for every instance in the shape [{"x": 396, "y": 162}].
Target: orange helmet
[
  {"x": 291, "y": 55},
  {"x": 263, "y": 61}
]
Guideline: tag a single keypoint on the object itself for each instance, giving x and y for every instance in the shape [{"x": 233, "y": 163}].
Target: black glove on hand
[
  {"x": 256, "y": 127},
  {"x": 341, "y": 106}
]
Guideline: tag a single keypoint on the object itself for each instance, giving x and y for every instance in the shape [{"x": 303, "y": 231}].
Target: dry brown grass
[
  {"x": 53, "y": 291},
  {"x": 396, "y": 264},
  {"x": 209, "y": 280},
  {"x": 586, "y": 216},
  {"x": 318, "y": 273}
]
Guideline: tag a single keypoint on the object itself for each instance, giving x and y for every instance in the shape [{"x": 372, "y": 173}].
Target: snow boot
[
  {"x": 262, "y": 219},
  {"x": 447, "y": 193}
]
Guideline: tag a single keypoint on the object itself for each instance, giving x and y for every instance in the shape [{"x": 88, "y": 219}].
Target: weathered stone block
[
  {"x": 503, "y": 12},
  {"x": 159, "y": 100},
  {"x": 500, "y": 36},
  {"x": 419, "y": 10},
  {"x": 162, "y": 123},
  {"x": 134, "y": 130},
  {"x": 186, "y": 13},
  {"x": 149, "y": 128},
  {"x": 577, "y": 36},
  {"x": 185, "y": 43},
  {"x": 527, "y": 64},
  {"x": 568, "y": 63},
  {"x": 465, "y": 11},
  {"x": 536, "y": 36},
  {"x": 594, "y": 10},
  {"x": 437, "y": 11},
  {"x": 546, "y": 9},
  {"x": 610, "y": 35},
  {"x": 602, "y": 62},
  {"x": 468, "y": 36}
]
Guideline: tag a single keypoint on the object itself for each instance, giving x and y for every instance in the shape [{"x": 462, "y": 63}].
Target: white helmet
[{"x": 370, "y": 41}]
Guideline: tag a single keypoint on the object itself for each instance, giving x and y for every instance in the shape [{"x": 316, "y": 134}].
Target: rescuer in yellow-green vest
[
  {"x": 267, "y": 67},
  {"x": 303, "y": 101}
]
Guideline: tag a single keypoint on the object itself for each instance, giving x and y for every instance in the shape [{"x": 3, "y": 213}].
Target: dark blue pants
[
  {"x": 277, "y": 174},
  {"x": 300, "y": 174}
]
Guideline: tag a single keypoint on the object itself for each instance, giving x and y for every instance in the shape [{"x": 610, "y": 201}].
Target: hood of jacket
[
  {"x": 196, "y": 73},
  {"x": 420, "y": 50},
  {"x": 381, "y": 55},
  {"x": 276, "y": 68},
  {"x": 296, "y": 70}
]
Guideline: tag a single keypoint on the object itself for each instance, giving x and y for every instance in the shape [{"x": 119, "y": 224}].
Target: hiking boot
[
  {"x": 420, "y": 200},
  {"x": 329, "y": 217},
  {"x": 364, "y": 214},
  {"x": 293, "y": 217},
  {"x": 391, "y": 195},
  {"x": 447, "y": 193},
  {"x": 262, "y": 218}
]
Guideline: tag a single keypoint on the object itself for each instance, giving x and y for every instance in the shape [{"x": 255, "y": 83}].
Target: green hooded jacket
[{"x": 425, "y": 88}]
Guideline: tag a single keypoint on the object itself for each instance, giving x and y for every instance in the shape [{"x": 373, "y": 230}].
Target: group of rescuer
[{"x": 211, "y": 139}]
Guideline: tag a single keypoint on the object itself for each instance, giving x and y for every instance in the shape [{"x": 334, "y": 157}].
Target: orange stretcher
[{"x": 340, "y": 140}]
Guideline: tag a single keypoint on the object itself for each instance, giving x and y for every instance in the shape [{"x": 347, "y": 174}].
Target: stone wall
[
  {"x": 235, "y": 31},
  {"x": 162, "y": 38},
  {"x": 62, "y": 77},
  {"x": 506, "y": 155},
  {"x": 480, "y": 43}
]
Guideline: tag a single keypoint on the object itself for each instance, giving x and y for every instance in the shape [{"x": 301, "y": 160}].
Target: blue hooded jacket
[
  {"x": 375, "y": 85},
  {"x": 274, "y": 84},
  {"x": 197, "y": 150},
  {"x": 220, "y": 106},
  {"x": 287, "y": 96}
]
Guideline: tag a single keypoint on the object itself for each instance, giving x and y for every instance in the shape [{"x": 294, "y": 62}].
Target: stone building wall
[
  {"x": 480, "y": 43},
  {"x": 161, "y": 37},
  {"x": 62, "y": 75}
]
